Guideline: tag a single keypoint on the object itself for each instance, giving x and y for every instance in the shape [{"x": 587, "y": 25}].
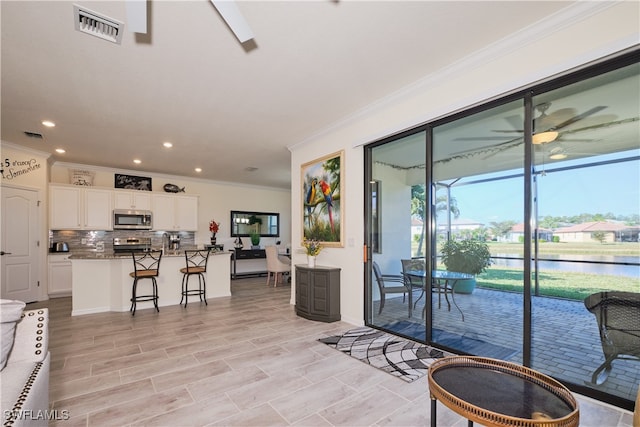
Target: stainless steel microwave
[{"x": 124, "y": 219}]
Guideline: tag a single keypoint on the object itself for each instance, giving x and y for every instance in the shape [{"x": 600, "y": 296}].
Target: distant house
[
  {"x": 586, "y": 232},
  {"x": 516, "y": 234}
]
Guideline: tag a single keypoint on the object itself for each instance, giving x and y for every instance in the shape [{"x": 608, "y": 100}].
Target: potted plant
[
  {"x": 466, "y": 256},
  {"x": 255, "y": 240}
]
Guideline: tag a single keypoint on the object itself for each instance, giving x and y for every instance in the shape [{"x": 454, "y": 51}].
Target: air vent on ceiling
[
  {"x": 90, "y": 22},
  {"x": 33, "y": 135}
]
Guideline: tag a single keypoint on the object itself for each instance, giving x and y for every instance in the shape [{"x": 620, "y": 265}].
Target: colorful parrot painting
[
  {"x": 311, "y": 197},
  {"x": 326, "y": 192}
]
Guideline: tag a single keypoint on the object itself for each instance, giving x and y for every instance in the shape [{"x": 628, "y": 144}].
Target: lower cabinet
[
  {"x": 318, "y": 293},
  {"x": 59, "y": 276}
]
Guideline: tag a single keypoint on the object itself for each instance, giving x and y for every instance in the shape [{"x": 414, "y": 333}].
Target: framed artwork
[
  {"x": 322, "y": 191},
  {"x": 132, "y": 182}
]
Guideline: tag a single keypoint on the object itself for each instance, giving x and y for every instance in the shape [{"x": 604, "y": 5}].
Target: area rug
[
  {"x": 397, "y": 356},
  {"x": 465, "y": 344}
]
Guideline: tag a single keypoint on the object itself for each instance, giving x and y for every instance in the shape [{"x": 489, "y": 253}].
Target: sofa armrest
[{"x": 32, "y": 337}]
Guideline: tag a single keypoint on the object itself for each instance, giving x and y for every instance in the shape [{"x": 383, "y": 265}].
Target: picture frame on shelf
[
  {"x": 132, "y": 182},
  {"x": 322, "y": 190}
]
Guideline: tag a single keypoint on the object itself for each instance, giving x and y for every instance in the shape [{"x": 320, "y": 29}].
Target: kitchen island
[{"x": 101, "y": 281}]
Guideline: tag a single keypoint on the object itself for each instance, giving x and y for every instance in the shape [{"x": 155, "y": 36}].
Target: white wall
[{"x": 584, "y": 32}]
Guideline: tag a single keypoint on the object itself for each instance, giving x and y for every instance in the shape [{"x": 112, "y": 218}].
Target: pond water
[{"x": 628, "y": 266}]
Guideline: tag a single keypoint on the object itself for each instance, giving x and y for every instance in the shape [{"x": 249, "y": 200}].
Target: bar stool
[
  {"x": 196, "y": 263},
  {"x": 146, "y": 265}
]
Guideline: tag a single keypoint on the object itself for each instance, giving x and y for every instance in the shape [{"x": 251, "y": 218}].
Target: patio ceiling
[{"x": 488, "y": 142}]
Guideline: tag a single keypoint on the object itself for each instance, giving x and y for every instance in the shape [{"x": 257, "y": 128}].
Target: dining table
[{"x": 444, "y": 282}]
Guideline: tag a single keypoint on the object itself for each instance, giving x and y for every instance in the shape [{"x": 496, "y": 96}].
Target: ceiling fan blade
[
  {"x": 137, "y": 16},
  {"x": 229, "y": 11},
  {"x": 482, "y": 138},
  {"x": 578, "y": 117}
]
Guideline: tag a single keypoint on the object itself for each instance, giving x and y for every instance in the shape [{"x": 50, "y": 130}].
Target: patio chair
[
  {"x": 618, "y": 316},
  {"x": 383, "y": 279}
]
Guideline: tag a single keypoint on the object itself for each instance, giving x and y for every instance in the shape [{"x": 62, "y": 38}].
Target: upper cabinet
[
  {"x": 79, "y": 208},
  {"x": 137, "y": 200},
  {"x": 175, "y": 213},
  {"x": 88, "y": 208}
]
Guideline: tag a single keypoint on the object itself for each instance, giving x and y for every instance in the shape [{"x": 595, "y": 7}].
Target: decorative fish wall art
[{"x": 172, "y": 188}]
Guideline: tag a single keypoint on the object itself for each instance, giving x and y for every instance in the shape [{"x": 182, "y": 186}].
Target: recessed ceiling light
[
  {"x": 198, "y": 170},
  {"x": 60, "y": 150},
  {"x": 137, "y": 161},
  {"x": 48, "y": 123},
  {"x": 167, "y": 144}
]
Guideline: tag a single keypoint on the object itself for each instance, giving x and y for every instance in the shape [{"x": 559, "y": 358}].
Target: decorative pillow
[{"x": 10, "y": 314}]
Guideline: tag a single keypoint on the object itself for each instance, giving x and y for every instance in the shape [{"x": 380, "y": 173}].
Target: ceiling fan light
[
  {"x": 544, "y": 137},
  {"x": 558, "y": 153}
]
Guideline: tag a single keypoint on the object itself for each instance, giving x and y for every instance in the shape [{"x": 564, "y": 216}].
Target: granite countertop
[{"x": 111, "y": 255}]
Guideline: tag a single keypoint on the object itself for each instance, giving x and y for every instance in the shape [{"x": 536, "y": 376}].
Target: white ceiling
[{"x": 224, "y": 105}]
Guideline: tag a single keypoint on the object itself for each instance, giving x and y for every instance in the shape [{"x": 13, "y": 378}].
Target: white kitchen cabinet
[
  {"x": 64, "y": 208},
  {"x": 98, "y": 209},
  {"x": 175, "y": 213},
  {"x": 138, "y": 200},
  {"x": 60, "y": 284},
  {"x": 79, "y": 208}
]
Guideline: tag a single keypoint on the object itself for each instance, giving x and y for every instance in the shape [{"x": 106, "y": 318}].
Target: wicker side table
[{"x": 498, "y": 393}]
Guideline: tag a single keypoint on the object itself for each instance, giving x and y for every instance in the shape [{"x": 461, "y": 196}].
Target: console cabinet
[
  {"x": 318, "y": 293},
  {"x": 253, "y": 262}
]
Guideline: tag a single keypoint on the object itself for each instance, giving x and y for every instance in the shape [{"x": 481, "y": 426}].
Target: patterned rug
[{"x": 399, "y": 357}]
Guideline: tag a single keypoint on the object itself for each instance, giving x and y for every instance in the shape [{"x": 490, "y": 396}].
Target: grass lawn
[{"x": 570, "y": 285}]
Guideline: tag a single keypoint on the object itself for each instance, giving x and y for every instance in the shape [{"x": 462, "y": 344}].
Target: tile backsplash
[{"x": 87, "y": 241}]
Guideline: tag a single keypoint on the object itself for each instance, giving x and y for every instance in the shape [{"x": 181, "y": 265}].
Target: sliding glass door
[
  {"x": 512, "y": 231},
  {"x": 478, "y": 176},
  {"x": 587, "y": 216},
  {"x": 396, "y": 221}
]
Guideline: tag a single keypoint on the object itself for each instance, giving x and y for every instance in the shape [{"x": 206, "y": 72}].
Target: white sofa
[{"x": 25, "y": 377}]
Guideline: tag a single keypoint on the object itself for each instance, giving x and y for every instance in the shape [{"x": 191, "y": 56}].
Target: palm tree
[{"x": 418, "y": 209}]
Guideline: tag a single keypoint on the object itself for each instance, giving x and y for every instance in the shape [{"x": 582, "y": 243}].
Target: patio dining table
[{"x": 445, "y": 283}]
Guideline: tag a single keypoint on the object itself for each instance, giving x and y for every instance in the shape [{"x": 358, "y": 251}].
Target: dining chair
[
  {"x": 196, "y": 264},
  {"x": 383, "y": 279},
  {"x": 414, "y": 281},
  {"x": 146, "y": 265},
  {"x": 275, "y": 266}
]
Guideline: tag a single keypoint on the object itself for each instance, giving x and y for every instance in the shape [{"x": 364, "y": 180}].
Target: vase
[
  {"x": 311, "y": 261},
  {"x": 213, "y": 239}
]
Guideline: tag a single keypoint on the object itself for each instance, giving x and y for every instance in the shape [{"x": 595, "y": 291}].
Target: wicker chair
[{"x": 618, "y": 316}]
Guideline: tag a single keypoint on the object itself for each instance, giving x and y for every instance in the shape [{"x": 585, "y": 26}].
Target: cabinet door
[
  {"x": 163, "y": 212},
  {"x": 320, "y": 288},
  {"x": 97, "y": 209},
  {"x": 139, "y": 200},
  {"x": 60, "y": 278},
  {"x": 186, "y": 211},
  {"x": 64, "y": 208},
  {"x": 302, "y": 290}
]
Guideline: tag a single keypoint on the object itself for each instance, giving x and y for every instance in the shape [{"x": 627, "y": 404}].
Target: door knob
[{"x": 5, "y": 253}]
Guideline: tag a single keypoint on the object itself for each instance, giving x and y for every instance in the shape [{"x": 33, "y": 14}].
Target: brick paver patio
[{"x": 566, "y": 344}]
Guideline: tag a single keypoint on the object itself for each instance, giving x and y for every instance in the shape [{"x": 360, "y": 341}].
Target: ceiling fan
[
  {"x": 228, "y": 9},
  {"x": 546, "y": 127}
]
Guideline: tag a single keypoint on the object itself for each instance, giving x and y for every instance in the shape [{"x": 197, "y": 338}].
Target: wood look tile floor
[{"x": 245, "y": 360}]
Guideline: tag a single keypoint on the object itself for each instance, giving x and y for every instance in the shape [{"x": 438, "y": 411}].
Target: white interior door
[{"x": 19, "y": 245}]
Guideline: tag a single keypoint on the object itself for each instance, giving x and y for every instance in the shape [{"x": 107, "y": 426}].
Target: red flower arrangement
[{"x": 214, "y": 226}]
